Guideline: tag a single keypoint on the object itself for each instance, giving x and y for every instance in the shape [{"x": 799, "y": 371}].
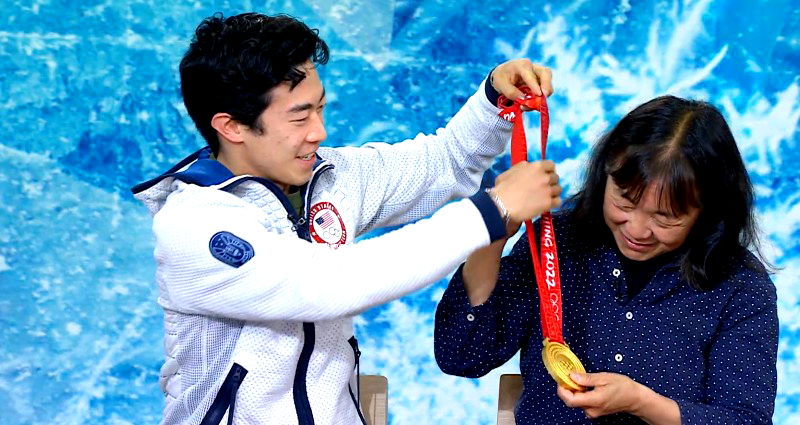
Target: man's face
[
  {"x": 645, "y": 230},
  {"x": 285, "y": 151}
]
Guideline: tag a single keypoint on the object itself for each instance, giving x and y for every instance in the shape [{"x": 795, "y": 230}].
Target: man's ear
[{"x": 227, "y": 127}]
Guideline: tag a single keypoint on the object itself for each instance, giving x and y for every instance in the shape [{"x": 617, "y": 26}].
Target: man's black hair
[{"x": 233, "y": 63}]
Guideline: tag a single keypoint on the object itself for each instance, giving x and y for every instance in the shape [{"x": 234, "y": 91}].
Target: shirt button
[
  {"x": 616, "y": 272},
  {"x": 629, "y": 315},
  {"x": 618, "y": 357},
  {"x": 470, "y": 317}
]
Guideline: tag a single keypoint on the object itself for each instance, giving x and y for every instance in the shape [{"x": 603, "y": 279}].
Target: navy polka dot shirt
[{"x": 713, "y": 352}]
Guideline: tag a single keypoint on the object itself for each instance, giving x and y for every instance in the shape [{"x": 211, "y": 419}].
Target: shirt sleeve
[
  {"x": 287, "y": 278},
  {"x": 472, "y": 341},
  {"x": 741, "y": 372},
  {"x": 408, "y": 180}
]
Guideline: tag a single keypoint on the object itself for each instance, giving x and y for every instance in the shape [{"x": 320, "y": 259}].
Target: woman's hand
[{"x": 613, "y": 393}]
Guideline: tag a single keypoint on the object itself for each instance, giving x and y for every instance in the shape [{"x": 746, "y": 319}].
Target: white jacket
[{"x": 257, "y": 319}]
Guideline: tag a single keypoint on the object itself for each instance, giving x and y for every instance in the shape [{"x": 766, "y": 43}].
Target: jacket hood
[{"x": 198, "y": 168}]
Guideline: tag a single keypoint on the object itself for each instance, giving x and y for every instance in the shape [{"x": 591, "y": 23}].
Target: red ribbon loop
[{"x": 548, "y": 278}]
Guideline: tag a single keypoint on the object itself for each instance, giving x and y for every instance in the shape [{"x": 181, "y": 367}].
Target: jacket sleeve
[
  {"x": 472, "y": 341},
  {"x": 287, "y": 278},
  {"x": 408, "y": 180},
  {"x": 741, "y": 373}
]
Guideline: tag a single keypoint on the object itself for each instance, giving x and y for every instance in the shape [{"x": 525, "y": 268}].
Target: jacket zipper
[
  {"x": 226, "y": 397},
  {"x": 300, "y": 391},
  {"x": 300, "y": 226},
  {"x": 356, "y": 397}
]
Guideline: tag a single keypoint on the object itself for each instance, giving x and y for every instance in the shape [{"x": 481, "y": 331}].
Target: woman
[{"x": 661, "y": 298}]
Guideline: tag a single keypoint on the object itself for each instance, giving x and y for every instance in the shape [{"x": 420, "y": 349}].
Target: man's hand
[
  {"x": 508, "y": 76},
  {"x": 523, "y": 192},
  {"x": 528, "y": 189}
]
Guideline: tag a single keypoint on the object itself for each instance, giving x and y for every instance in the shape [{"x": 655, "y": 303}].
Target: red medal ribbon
[{"x": 548, "y": 278}]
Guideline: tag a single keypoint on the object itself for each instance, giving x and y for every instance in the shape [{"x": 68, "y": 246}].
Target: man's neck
[{"x": 238, "y": 169}]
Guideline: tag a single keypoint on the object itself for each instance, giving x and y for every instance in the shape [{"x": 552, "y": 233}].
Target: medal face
[
  {"x": 560, "y": 361},
  {"x": 326, "y": 225}
]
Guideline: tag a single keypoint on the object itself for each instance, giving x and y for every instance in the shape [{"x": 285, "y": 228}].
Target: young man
[{"x": 257, "y": 274}]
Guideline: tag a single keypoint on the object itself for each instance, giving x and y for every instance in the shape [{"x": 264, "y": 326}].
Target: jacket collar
[{"x": 199, "y": 169}]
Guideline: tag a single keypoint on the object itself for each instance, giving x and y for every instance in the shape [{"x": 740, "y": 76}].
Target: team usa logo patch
[
  {"x": 326, "y": 225},
  {"x": 230, "y": 249}
]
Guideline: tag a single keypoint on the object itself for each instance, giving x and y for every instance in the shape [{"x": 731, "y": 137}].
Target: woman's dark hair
[
  {"x": 233, "y": 63},
  {"x": 686, "y": 148}
]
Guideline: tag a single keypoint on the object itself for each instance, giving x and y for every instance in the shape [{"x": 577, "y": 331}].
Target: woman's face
[{"x": 647, "y": 229}]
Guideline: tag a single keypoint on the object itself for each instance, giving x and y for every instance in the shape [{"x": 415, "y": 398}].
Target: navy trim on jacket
[
  {"x": 203, "y": 172},
  {"x": 299, "y": 390},
  {"x": 226, "y": 397}
]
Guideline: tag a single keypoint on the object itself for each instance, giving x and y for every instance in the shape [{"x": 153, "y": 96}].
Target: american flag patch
[
  {"x": 326, "y": 225},
  {"x": 325, "y": 220}
]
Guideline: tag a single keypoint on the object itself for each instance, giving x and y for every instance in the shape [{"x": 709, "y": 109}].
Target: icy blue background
[{"x": 90, "y": 105}]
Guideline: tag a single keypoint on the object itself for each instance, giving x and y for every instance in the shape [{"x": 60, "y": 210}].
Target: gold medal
[{"x": 560, "y": 361}]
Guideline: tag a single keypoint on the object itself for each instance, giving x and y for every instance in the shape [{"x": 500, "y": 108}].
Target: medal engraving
[{"x": 560, "y": 361}]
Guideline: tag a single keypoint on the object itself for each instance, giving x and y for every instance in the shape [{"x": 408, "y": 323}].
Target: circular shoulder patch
[
  {"x": 230, "y": 249},
  {"x": 326, "y": 225}
]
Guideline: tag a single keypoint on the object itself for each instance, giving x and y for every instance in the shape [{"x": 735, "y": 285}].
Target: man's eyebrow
[
  {"x": 299, "y": 108},
  {"x": 305, "y": 106}
]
